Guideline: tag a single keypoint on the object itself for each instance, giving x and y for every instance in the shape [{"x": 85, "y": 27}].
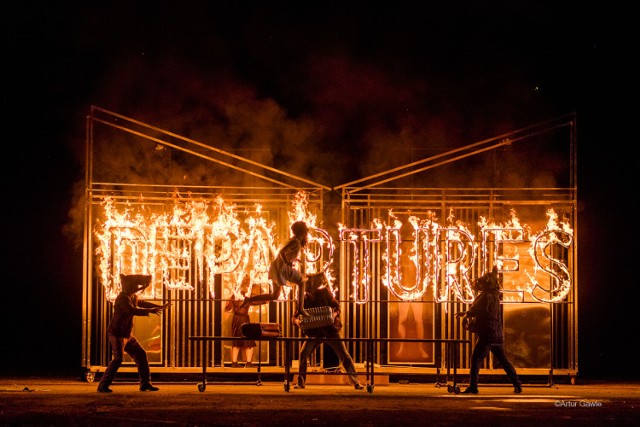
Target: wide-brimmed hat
[
  {"x": 315, "y": 281},
  {"x": 132, "y": 283},
  {"x": 488, "y": 281}
]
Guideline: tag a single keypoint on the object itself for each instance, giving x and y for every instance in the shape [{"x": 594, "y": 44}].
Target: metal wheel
[
  {"x": 450, "y": 388},
  {"x": 456, "y": 389}
]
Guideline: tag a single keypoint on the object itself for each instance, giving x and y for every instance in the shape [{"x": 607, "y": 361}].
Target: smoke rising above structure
[{"x": 307, "y": 93}]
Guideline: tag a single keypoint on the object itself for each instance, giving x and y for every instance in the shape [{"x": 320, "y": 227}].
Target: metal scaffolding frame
[
  {"x": 397, "y": 190},
  {"x": 386, "y": 196},
  {"x": 195, "y": 311}
]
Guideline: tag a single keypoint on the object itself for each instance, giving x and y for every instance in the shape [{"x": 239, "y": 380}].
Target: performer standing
[
  {"x": 240, "y": 317},
  {"x": 126, "y": 306}
]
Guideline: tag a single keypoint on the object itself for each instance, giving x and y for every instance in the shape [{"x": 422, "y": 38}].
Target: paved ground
[{"x": 71, "y": 402}]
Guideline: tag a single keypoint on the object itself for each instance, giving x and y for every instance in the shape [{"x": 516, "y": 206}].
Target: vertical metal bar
[{"x": 86, "y": 265}]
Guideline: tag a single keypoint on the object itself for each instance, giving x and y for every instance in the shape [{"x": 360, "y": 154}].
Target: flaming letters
[{"x": 199, "y": 239}]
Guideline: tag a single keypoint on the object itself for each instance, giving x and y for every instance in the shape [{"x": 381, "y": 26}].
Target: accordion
[
  {"x": 256, "y": 331},
  {"x": 318, "y": 318}
]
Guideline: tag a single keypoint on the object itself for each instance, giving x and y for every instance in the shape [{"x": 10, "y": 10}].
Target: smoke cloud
[{"x": 296, "y": 96}]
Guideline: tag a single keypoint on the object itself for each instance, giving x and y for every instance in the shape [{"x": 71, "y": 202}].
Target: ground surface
[{"x": 70, "y": 402}]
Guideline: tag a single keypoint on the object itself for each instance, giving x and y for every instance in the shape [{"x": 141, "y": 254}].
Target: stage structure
[
  {"x": 401, "y": 256},
  {"x": 197, "y": 229},
  {"x": 409, "y": 250}
]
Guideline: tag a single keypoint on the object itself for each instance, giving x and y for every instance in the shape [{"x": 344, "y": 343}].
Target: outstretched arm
[{"x": 147, "y": 307}]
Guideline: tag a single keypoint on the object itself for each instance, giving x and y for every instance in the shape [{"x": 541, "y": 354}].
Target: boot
[
  {"x": 517, "y": 388},
  {"x": 472, "y": 389},
  {"x": 148, "y": 387},
  {"x": 103, "y": 387}
]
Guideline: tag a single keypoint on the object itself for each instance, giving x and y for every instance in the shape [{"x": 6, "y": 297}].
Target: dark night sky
[{"x": 332, "y": 76}]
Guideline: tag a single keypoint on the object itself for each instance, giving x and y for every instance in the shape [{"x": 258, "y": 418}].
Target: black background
[{"x": 504, "y": 65}]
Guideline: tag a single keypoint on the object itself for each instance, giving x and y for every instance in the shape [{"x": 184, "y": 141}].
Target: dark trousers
[
  {"x": 338, "y": 347},
  {"x": 135, "y": 350},
  {"x": 480, "y": 351},
  {"x": 279, "y": 276}
]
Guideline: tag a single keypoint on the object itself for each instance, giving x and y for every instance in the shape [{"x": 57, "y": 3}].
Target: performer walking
[
  {"x": 240, "y": 317},
  {"x": 319, "y": 295},
  {"x": 488, "y": 314}
]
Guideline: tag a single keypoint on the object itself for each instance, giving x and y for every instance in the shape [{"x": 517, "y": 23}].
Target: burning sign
[
  {"x": 194, "y": 240},
  {"x": 441, "y": 258}
]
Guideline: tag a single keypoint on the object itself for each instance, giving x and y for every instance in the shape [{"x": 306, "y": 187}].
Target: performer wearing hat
[
  {"x": 488, "y": 313},
  {"x": 282, "y": 271},
  {"x": 318, "y": 294},
  {"x": 126, "y": 306}
]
